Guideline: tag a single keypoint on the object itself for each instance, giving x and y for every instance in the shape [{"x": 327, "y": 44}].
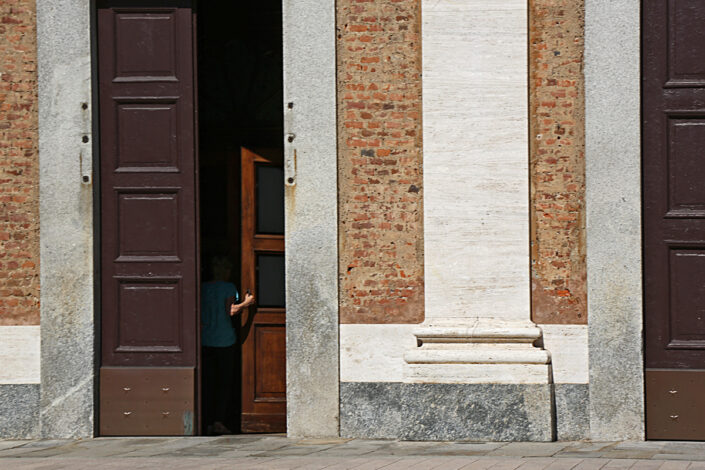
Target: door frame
[
  {"x": 70, "y": 317},
  {"x": 613, "y": 218}
]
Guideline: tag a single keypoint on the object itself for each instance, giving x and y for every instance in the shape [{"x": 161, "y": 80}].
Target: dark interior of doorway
[{"x": 240, "y": 100}]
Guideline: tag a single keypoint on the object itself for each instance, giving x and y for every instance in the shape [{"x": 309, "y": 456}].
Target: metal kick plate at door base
[
  {"x": 141, "y": 401},
  {"x": 675, "y": 404}
]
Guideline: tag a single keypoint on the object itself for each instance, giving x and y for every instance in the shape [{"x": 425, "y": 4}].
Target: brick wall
[
  {"x": 379, "y": 151},
  {"x": 19, "y": 175},
  {"x": 557, "y": 161}
]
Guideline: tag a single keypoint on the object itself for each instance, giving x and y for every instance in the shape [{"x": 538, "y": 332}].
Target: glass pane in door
[
  {"x": 270, "y": 280},
  {"x": 270, "y": 199}
]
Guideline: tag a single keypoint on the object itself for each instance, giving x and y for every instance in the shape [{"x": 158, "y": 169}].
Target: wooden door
[
  {"x": 262, "y": 332},
  {"x": 673, "y": 99},
  {"x": 149, "y": 257}
]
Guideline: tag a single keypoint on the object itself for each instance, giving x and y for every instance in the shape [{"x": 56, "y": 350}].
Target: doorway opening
[{"x": 241, "y": 209}]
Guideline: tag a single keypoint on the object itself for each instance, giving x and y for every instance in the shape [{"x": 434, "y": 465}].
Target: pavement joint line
[
  {"x": 464, "y": 462},
  {"x": 364, "y": 461}
]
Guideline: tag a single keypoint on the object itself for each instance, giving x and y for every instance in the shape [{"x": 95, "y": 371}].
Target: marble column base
[{"x": 478, "y": 350}]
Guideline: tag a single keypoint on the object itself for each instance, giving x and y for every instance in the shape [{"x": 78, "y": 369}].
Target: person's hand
[{"x": 237, "y": 308}]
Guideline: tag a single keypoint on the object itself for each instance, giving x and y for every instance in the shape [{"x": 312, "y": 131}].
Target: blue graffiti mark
[{"x": 188, "y": 423}]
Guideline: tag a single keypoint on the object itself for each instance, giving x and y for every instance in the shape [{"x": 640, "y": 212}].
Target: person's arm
[{"x": 238, "y": 308}]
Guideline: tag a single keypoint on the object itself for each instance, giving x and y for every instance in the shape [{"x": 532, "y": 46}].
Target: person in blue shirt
[{"x": 219, "y": 304}]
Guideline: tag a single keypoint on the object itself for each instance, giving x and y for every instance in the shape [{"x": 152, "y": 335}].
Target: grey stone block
[
  {"x": 572, "y": 411},
  {"x": 494, "y": 412},
  {"x": 19, "y": 411},
  {"x": 370, "y": 409},
  {"x": 497, "y": 412}
]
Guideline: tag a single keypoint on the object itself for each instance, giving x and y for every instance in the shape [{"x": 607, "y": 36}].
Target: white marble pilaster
[
  {"x": 19, "y": 354},
  {"x": 476, "y": 198}
]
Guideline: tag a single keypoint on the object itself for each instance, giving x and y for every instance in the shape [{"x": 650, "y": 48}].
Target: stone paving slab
[
  {"x": 279, "y": 452},
  {"x": 529, "y": 449},
  {"x": 316, "y": 463}
]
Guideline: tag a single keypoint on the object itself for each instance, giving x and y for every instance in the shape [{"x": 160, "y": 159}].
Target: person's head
[{"x": 220, "y": 268}]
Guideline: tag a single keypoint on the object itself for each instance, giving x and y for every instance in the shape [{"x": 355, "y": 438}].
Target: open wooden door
[
  {"x": 263, "y": 333},
  {"x": 673, "y": 104},
  {"x": 149, "y": 257}
]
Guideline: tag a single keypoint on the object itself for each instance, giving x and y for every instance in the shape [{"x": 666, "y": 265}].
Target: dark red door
[
  {"x": 673, "y": 98},
  {"x": 263, "y": 331},
  {"x": 149, "y": 280}
]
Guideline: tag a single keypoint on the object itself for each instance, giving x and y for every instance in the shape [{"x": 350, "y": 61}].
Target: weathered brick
[
  {"x": 19, "y": 175},
  {"x": 379, "y": 95},
  {"x": 558, "y": 267}
]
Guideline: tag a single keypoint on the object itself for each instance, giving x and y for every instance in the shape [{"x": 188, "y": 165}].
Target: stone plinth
[{"x": 477, "y": 352}]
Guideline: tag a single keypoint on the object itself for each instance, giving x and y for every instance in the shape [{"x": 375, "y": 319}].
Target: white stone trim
[
  {"x": 480, "y": 354},
  {"x": 484, "y": 373},
  {"x": 568, "y": 345},
  {"x": 374, "y": 353},
  {"x": 19, "y": 354}
]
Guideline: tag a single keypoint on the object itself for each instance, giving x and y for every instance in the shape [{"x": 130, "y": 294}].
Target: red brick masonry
[
  {"x": 557, "y": 161},
  {"x": 379, "y": 156},
  {"x": 19, "y": 165}
]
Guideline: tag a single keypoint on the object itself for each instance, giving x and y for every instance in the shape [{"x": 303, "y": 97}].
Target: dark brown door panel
[
  {"x": 673, "y": 143},
  {"x": 149, "y": 259}
]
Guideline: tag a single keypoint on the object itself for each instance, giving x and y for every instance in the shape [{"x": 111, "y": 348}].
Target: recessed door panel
[
  {"x": 686, "y": 42},
  {"x": 149, "y": 315},
  {"x": 146, "y": 44},
  {"x": 687, "y": 309},
  {"x": 148, "y": 136},
  {"x": 270, "y": 356},
  {"x": 686, "y": 166},
  {"x": 148, "y": 224}
]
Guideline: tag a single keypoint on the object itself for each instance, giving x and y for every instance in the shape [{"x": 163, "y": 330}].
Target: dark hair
[{"x": 213, "y": 266}]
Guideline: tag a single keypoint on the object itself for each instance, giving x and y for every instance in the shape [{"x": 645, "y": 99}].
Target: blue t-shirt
[{"x": 216, "y": 326}]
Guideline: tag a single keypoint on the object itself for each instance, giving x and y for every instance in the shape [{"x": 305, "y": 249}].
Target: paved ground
[{"x": 279, "y": 452}]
